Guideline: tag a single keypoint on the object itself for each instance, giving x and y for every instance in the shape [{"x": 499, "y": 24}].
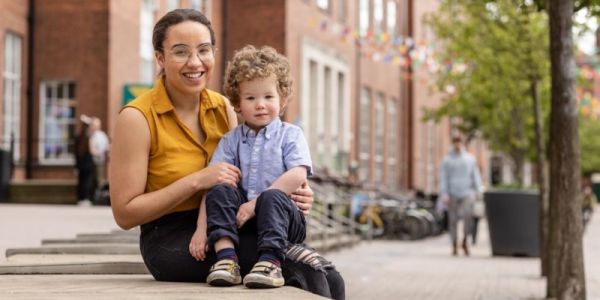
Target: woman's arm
[{"x": 129, "y": 170}]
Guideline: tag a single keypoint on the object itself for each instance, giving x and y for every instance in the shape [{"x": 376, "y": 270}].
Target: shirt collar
[
  {"x": 268, "y": 130},
  {"x": 163, "y": 103}
]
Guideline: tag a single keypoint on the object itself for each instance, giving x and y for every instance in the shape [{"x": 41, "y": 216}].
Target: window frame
[{"x": 69, "y": 159}]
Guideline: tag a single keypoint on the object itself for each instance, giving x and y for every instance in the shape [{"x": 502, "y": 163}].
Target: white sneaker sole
[
  {"x": 258, "y": 281},
  {"x": 222, "y": 278}
]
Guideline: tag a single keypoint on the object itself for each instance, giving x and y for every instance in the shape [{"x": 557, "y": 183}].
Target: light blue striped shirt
[{"x": 265, "y": 155}]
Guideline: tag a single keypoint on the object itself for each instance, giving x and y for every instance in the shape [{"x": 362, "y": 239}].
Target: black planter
[{"x": 512, "y": 217}]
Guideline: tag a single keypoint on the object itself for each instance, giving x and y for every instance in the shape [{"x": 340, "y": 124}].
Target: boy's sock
[
  {"x": 270, "y": 257},
  {"x": 227, "y": 253}
]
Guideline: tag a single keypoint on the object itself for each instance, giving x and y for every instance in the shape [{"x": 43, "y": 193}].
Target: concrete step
[
  {"x": 108, "y": 249},
  {"x": 124, "y": 239},
  {"x": 72, "y": 258},
  {"x": 110, "y": 267}
]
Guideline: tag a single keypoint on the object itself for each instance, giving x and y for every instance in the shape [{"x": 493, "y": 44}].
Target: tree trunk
[
  {"x": 517, "y": 151},
  {"x": 541, "y": 175},
  {"x": 566, "y": 279}
]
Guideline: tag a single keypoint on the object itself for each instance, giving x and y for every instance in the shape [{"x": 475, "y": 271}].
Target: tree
[
  {"x": 498, "y": 64},
  {"x": 566, "y": 278}
]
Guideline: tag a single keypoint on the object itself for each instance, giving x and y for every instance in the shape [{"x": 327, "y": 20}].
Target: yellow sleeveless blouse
[{"x": 174, "y": 151}]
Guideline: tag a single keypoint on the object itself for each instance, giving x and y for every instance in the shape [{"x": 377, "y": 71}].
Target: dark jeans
[
  {"x": 86, "y": 182},
  {"x": 277, "y": 217},
  {"x": 164, "y": 244}
]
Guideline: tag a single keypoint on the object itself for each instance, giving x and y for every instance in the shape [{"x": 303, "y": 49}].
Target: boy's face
[{"x": 259, "y": 101}]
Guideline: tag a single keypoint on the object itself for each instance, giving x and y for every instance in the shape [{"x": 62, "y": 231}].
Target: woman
[{"x": 159, "y": 161}]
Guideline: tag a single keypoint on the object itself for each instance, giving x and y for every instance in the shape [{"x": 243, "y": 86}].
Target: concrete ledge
[{"x": 101, "y": 287}]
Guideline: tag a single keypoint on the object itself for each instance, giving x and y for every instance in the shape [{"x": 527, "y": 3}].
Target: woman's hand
[
  {"x": 245, "y": 212},
  {"x": 199, "y": 244},
  {"x": 303, "y": 197},
  {"x": 221, "y": 173}
]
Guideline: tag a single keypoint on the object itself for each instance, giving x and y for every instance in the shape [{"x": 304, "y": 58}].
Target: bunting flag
[{"x": 405, "y": 51}]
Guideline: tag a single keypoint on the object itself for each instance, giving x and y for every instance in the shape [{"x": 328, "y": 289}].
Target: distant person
[
  {"x": 459, "y": 185},
  {"x": 588, "y": 202},
  {"x": 478, "y": 214},
  {"x": 99, "y": 146},
  {"x": 274, "y": 161},
  {"x": 84, "y": 164}
]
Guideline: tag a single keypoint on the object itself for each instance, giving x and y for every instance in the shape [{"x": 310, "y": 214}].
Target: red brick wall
[
  {"x": 71, "y": 43},
  {"x": 257, "y": 22}
]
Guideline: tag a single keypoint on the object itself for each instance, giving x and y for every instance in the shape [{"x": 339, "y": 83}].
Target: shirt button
[{"x": 268, "y": 136}]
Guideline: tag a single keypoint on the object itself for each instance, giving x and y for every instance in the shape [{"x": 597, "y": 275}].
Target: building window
[
  {"x": 364, "y": 137},
  {"x": 57, "y": 122},
  {"x": 323, "y": 4},
  {"x": 342, "y": 10},
  {"x": 363, "y": 17},
  {"x": 325, "y": 108},
  {"x": 391, "y": 17},
  {"x": 392, "y": 147},
  {"x": 146, "y": 50},
  {"x": 173, "y": 4},
  {"x": 378, "y": 15},
  {"x": 379, "y": 137},
  {"x": 341, "y": 160},
  {"x": 12, "y": 93}
]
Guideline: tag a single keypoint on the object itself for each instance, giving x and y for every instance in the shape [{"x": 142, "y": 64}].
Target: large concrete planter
[{"x": 513, "y": 222}]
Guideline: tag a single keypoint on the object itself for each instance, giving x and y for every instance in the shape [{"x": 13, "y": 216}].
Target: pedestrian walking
[{"x": 459, "y": 185}]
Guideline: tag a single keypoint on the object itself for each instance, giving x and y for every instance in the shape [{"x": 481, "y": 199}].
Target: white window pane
[
  {"x": 57, "y": 121},
  {"x": 391, "y": 17},
  {"x": 363, "y": 18},
  {"x": 323, "y": 4},
  {"x": 173, "y": 4},
  {"x": 378, "y": 15},
  {"x": 11, "y": 97}
]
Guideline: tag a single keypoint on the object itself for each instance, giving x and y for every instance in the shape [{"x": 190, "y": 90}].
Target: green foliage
[
  {"x": 589, "y": 140},
  {"x": 505, "y": 45}
]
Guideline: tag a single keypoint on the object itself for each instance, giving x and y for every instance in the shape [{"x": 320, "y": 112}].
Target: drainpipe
[
  {"x": 225, "y": 31},
  {"x": 30, "y": 89}
]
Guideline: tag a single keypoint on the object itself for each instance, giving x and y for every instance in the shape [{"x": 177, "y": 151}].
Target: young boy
[{"x": 274, "y": 159}]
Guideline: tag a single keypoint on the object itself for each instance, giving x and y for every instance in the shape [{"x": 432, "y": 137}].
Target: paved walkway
[
  {"x": 426, "y": 270},
  {"x": 373, "y": 270}
]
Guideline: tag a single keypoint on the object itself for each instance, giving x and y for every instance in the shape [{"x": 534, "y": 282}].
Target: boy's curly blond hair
[{"x": 250, "y": 63}]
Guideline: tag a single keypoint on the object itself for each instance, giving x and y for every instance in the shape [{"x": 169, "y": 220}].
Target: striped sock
[
  {"x": 227, "y": 253},
  {"x": 270, "y": 257}
]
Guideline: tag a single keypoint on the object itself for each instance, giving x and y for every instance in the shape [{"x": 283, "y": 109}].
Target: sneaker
[
  {"x": 264, "y": 275},
  {"x": 225, "y": 272},
  {"x": 84, "y": 203}
]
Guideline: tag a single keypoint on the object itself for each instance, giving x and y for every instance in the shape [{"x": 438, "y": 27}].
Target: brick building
[{"x": 359, "y": 110}]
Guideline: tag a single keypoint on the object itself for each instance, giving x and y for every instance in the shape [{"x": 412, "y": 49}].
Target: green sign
[{"x": 132, "y": 91}]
